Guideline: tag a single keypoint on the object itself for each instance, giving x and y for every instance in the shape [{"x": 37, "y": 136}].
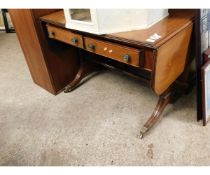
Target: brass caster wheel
[
  {"x": 142, "y": 132},
  {"x": 141, "y": 136},
  {"x": 68, "y": 89}
]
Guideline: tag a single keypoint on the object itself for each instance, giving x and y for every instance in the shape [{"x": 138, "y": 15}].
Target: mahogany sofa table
[{"x": 163, "y": 64}]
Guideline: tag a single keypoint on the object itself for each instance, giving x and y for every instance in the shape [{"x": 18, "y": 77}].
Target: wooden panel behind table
[
  {"x": 50, "y": 68},
  {"x": 24, "y": 25}
]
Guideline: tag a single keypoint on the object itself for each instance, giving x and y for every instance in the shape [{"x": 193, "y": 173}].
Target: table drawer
[
  {"x": 65, "y": 36},
  {"x": 117, "y": 52}
]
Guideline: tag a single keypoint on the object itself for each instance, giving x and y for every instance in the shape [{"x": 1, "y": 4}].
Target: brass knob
[
  {"x": 126, "y": 58},
  {"x": 74, "y": 40},
  {"x": 92, "y": 46},
  {"x": 51, "y": 34}
]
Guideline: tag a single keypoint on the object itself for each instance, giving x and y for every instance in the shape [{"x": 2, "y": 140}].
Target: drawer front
[
  {"x": 65, "y": 36},
  {"x": 117, "y": 52}
]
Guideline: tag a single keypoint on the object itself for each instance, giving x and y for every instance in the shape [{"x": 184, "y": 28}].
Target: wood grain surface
[{"x": 171, "y": 59}]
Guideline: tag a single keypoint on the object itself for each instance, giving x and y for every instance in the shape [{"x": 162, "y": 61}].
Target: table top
[{"x": 166, "y": 28}]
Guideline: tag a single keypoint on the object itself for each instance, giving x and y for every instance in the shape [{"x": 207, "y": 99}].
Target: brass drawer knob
[
  {"x": 126, "y": 58},
  {"x": 92, "y": 46},
  {"x": 74, "y": 40},
  {"x": 51, "y": 34}
]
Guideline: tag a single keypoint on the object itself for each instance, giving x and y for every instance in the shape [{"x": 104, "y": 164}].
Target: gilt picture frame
[
  {"x": 202, "y": 28},
  {"x": 206, "y": 92}
]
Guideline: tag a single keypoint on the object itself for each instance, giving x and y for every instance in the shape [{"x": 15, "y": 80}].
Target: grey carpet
[{"x": 97, "y": 124}]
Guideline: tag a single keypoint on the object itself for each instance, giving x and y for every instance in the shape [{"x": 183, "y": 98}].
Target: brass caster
[
  {"x": 142, "y": 132},
  {"x": 68, "y": 89},
  {"x": 141, "y": 136}
]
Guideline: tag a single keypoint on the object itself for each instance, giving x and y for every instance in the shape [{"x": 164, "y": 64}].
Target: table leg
[
  {"x": 164, "y": 99},
  {"x": 86, "y": 68}
]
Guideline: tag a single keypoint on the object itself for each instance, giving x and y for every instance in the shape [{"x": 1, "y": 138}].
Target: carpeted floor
[{"x": 97, "y": 124}]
